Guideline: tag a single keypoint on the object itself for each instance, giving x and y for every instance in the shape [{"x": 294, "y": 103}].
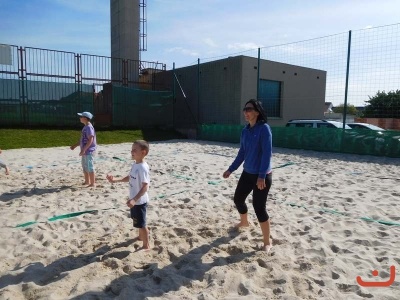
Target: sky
[
  {"x": 182, "y": 31},
  {"x": 310, "y": 33}
]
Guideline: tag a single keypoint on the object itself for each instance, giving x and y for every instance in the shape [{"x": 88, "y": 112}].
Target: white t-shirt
[{"x": 138, "y": 175}]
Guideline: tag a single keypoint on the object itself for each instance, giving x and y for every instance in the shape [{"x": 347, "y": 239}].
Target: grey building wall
[
  {"x": 219, "y": 93},
  {"x": 302, "y": 93}
]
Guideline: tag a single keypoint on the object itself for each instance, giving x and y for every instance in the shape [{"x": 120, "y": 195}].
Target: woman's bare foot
[
  {"x": 266, "y": 248},
  {"x": 143, "y": 249},
  {"x": 92, "y": 185},
  {"x": 242, "y": 224},
  {"x": 85, "y": 183},
  {"x": 7, "y": 171},
  {"x": 146, "y": 248}
]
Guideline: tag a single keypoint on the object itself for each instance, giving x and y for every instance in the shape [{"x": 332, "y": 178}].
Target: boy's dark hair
[
  {"x": 262, "y": 116},
  {"x": 143, "y": 145}
]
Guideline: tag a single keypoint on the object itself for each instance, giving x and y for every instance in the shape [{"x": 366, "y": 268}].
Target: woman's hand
[
  {"x": 226, "y": 174},
  {"x": 261, "y": 183}
]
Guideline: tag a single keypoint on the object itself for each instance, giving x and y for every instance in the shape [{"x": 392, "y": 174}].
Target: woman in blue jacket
[{"x": 256, "y": 153}]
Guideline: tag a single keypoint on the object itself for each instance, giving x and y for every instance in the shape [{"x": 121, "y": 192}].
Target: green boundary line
[
  {"x": 216, "y": 182},
  {"x": 335, "y": 212},
  {"x": 78, "y": 213},
  {"x": 64, "y": 216}
]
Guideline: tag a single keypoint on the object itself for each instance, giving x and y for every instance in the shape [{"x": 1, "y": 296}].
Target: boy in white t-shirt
[
  {"x": 3, "y": 165},
  {"x": 139, "y": 181}
]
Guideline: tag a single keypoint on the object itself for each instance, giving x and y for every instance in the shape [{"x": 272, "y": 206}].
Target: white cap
[{"x": 86, "y": 114}]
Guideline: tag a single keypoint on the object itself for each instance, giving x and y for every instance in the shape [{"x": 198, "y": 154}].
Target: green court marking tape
[
  {"x": 163, "y": 195},
  {"x": 215, "y": 182},
  {"x": 182, "y": 177},
  {"x": 71, "y": 215},
  {"x": 332, "y": 211},
  {"x": 117, "y": 158},
  {"x": 64, "y": 216},
  {"x": 390, "y": 223},
  {"x": 285, "y": 165},
  {"x": 26, "y": 224},
  {"x": 297, "y": 205},
  {"x": 335, "y": 212}
]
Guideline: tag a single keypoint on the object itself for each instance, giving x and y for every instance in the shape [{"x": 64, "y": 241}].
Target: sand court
[{"x": 333, "y": 217}]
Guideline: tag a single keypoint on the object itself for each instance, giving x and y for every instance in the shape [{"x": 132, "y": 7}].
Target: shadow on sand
[
  {"x": 43, "y": 275},
  {"x": 152, "y": 281},
  {"x": 29, "y": 192}
]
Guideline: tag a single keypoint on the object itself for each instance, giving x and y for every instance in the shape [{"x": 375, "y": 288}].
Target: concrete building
[{"x": 215, "y": 92}]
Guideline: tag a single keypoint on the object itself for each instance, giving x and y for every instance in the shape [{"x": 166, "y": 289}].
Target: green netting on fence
[
  {"x": 220, "y": 133},
  {"x": 10, "y": 112},
  {"x": 43, "y": 103},
  {"x": 141, "y": 108},
  {"x": 58, "y": 112},
  {"x": 385, "y": 143}
]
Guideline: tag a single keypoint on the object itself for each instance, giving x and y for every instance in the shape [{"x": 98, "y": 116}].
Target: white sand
[{"x": 195, "y": 255}]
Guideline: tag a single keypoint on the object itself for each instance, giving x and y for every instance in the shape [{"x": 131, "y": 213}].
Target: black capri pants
[{"x": 246, "y": 184}]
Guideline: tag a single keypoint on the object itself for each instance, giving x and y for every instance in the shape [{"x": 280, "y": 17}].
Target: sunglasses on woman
[{"x": 248, "y": 109}]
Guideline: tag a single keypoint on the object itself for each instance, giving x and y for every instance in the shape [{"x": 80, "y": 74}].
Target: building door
[{"x": 270, "y": 96}]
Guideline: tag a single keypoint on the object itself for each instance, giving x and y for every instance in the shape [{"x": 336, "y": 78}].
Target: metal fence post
[
  {"x": 78, "y": 80},
  {"x": 22, "y": 86},
  {"x": 173, "y": 95},
  {"x": 347, "y": 80},
  {"x": 346, "y": 92},
  {"x": 258, "y": 75},
  {"x": 198, "y": 89}
]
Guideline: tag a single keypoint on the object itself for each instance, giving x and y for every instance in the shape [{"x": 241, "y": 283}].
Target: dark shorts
[{"x": 138, "y": 215}]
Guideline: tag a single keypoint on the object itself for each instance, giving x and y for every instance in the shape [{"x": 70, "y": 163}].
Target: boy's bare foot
[
  {"x": 136, "y": 239},
  {"x": 85, "y": 183},
  {"x": 7, "y": 171}
]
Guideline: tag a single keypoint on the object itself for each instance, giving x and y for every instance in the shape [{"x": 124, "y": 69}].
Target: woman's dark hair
[{"x": 262, "y": 116}]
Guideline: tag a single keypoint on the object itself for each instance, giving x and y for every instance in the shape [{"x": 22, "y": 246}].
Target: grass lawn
[{"x": 42, "y": 138}]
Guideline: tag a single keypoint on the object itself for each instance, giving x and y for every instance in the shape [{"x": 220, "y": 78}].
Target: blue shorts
[
  {"x": 87, "y": 163},
  {"x": 138, "y": 215}
]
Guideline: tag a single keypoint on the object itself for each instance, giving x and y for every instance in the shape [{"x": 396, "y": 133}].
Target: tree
[
  {"x": 383, "y": 105},
  {"x": 351, "y": 109}
]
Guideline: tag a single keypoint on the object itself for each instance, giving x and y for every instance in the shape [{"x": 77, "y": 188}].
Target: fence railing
[
  {"x": 47, "y": 87},
  {"x": 355, "y": 141},
  {"x": 359, "y": 64},
  {"x": 362, "y": 70}
]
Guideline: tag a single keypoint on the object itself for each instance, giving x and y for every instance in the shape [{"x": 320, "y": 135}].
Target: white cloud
[
  {"x": 210, "y": 42},
  {"x": 243, "y": 46},
  {"x": 182, "y": 51}
]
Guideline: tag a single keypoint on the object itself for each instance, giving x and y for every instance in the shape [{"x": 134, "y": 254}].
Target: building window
[{"x": 270, "y": 96}]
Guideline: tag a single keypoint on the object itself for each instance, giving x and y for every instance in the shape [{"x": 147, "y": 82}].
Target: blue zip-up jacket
[{"x": 255, "y": 150}]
